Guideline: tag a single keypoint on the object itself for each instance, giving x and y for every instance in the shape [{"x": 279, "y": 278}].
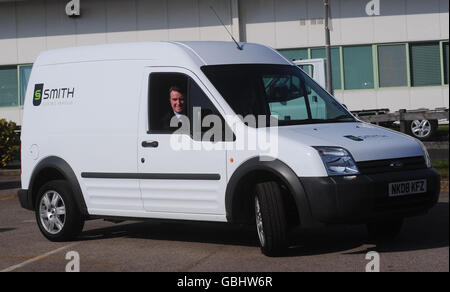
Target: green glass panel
[
  {"x": 446, "y": 63},
  {"x": 358, "y": 67},
  {"x": 425, "y": 64},
  {"x": 24, "y": 72},
  {"x": 8, "y": 86},
  {"x": 335, "y": 64},
  {"x": 295, "y": 54},
  {"x": 392, "y": 65}
]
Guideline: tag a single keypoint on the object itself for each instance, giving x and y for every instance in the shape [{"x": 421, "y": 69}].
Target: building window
[
  {"x": 24, "y": 76},
  {"x": 298, "y": 54},
  {"x": 358, "y": 67},
  {"x": 392, "y": 65},
  {"x": 445, "y": 54},
  {"x": 425, "y": 64},
  {"x": 295, "y": 54},
  {"x": 335, "y": 64},
  {"x": 8, "y": 86}
]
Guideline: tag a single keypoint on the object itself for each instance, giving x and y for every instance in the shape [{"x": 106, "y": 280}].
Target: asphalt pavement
[{"x": 423, "y": 245}]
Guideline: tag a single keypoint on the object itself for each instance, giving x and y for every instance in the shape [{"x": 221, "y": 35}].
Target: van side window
[
  {"x": 175, "y": 98},
  {"x": 161, "y": 107}
]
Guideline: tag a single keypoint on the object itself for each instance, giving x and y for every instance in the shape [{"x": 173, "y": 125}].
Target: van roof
[{"x": 167, "y": 53}]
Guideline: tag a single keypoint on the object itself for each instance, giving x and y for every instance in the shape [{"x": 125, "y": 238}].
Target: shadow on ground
[
  {"x": 424, "y": 232},
  {"x": 6, "y": 229}
]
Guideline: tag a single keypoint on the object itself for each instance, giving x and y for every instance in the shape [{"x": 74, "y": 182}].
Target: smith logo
[
  {"x": 54, "y": 94},
  {"x": 37, "y": 96}
]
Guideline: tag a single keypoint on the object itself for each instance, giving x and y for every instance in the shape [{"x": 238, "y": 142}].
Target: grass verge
[
  {"x": 443, "y": 128},
  {"x": 441, "y": 165}
]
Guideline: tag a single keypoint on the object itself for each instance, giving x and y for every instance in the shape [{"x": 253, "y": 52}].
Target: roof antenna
[{"x": 237, "y": 44}]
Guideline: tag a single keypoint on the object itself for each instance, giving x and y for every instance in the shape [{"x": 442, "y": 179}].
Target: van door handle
[{"x": 150, "y": 144}]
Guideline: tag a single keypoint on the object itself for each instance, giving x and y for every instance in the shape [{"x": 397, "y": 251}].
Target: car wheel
[
  {"x": 385, "y": 230},
  {"x": 423, "y": 130},
  {"x": 271, "y": 223},
  {"x": 57, "y": 215}
]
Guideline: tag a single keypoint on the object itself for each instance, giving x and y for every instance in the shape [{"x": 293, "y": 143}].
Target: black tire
[
  {"x": 424, "y": 130},
  {"x": 270, "y": 219},
  {"x": 70, "y": 223},
  {"x": 385, "y": 230}
]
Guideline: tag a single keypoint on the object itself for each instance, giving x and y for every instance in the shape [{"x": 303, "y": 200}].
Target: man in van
[{"x": 177, "y": 103}]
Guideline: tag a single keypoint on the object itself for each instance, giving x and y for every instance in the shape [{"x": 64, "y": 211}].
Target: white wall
[
  {"x": 8, "y": 35},
  {"x": 299, "y": 23},
  {"x": 12, "y": 114},
  {"x": 396, "y": 98},
  {"x": 30, "y": 26}
]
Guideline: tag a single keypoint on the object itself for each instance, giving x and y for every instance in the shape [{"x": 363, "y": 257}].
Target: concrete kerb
[
  {"x": 436, "y": 145},
  {"x": 9, "y": 179},
  {"x": 437, "y": 150},
  {"x": 9, "y": 172}
]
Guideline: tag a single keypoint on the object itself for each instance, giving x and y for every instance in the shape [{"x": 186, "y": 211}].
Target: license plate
[{"x": 407, "y": 188}]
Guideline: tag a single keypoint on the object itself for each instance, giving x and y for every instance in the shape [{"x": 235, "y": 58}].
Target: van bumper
[
  {"x": 25, "y": 199},
  {"x": 365, "y": 198}
]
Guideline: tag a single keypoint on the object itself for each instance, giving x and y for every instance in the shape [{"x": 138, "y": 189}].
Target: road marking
[
  {"x": 35, "y": 259},
  {"x": 9, "y": 198}
]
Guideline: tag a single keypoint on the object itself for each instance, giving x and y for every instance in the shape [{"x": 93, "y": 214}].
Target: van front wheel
[
  {"x": 271, "y": 224},
  {"x": 57, "y": 215}
]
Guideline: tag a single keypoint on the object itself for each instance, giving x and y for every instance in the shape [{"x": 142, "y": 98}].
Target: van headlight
[
  {"x": 337, "y": 161},
  {"x": 426, "y": 155}
]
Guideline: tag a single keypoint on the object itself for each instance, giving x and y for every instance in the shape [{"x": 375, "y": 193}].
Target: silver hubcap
[
  {"x": 259, "y": 222},
  {"x": 52, "y": 212},
  {"x": 421, "y": 128}
]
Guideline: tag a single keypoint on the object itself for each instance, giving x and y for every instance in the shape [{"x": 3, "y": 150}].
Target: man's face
[{"x": 177, "y": 101}]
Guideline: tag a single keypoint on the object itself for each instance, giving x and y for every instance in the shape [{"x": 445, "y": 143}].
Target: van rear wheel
[
  {"x": 57, "y": 215},
  {"x": 271, "y": 223}
]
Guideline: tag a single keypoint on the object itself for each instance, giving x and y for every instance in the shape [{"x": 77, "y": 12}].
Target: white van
[{"x": 96, "y": 144}]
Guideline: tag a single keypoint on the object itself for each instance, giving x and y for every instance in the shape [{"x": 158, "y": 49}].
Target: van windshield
[{"x": 283, "y": 92}]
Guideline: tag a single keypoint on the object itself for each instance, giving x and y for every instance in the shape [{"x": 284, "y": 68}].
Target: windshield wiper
[
  {"x": 316, "y": 121},
  {"x": 341, "y": 118}
]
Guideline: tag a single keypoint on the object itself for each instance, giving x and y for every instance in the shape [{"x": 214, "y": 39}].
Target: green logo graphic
[
  {"x": 354, "y": 138},
  {"x": 37, "y": 94},
  {"x": 38, "y": 88}
]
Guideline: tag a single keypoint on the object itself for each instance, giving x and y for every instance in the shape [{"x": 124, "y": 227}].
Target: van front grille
[{"x": 391, "y": 165}]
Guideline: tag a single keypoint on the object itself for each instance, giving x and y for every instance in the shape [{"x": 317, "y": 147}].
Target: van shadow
[
  {"x": 202, "y": 232},
  {"x": 6, "y": 229},
  {"x": 418, "y": 233}
]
